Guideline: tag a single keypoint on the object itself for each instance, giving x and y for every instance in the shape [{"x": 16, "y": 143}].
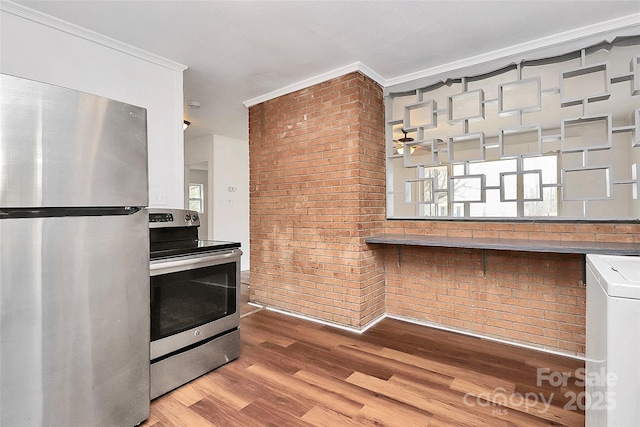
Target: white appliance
[
  {"x": 74, "y": 258},
  {"x": 613, "y": 341}
]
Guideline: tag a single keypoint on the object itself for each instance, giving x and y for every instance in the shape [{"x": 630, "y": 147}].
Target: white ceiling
[{"x": 240, "y": 50}]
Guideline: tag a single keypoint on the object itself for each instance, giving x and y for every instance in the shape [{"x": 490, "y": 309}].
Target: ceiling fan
[{"x": 398, "y": 144}]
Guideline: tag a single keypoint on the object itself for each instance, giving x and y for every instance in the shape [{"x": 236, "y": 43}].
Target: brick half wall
[
  {"x": 534, "y": 299},
  {"x": 526, "y": 298}
]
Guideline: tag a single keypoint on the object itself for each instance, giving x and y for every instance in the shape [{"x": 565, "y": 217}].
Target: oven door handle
[{"x": 164, "y": 266}]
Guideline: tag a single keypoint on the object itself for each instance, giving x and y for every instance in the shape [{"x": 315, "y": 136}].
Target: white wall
[
  {"x": 228, "y": 166},
  {"x": 231, "y": 208},
  {"x": 39, "y": 47}
]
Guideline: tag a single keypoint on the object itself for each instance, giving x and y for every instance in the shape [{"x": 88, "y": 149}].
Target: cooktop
[{"x": 174, "y": 232}]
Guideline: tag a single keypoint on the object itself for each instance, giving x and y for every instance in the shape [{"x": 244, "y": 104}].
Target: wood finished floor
[{"x": 293, "y": 372}]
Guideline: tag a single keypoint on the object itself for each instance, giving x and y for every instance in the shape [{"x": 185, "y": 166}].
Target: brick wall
[
  {"x": 536, "y": 299},
  {"x": 317, "y": 183},
  {"x": 317, "y": 190}
]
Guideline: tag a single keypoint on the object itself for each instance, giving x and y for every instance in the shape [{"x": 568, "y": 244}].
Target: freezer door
[
  {"x": 64, "y": 148},
  {"x": 74, "y": 321}
]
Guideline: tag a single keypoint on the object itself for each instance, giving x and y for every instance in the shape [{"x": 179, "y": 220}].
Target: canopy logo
[{"x": 500, "y": 397}]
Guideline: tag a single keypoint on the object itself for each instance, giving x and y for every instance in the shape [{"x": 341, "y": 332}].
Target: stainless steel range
[{"x": 195, "y": 300}]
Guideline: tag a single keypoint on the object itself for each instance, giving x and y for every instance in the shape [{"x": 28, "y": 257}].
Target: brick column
[{"x": 317, "y": 189}]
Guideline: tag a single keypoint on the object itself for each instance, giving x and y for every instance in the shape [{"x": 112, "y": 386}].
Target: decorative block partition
[{"x": 561, "y": 132}]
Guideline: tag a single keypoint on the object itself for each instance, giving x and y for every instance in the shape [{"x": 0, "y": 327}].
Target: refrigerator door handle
[{"x": 11, "y": 213}]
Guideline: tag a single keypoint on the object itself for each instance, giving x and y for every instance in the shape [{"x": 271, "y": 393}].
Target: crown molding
[
  {"x": 84, "y": 33},
  {"x": 595, "y": 31},
  {"x": 320, "y": 78},
  {"x": 592, "y": 33}
]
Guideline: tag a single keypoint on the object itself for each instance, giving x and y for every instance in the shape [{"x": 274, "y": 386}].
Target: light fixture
[
  {"x": 400, "y": 143},
  {"x": 185, "y": 125}
]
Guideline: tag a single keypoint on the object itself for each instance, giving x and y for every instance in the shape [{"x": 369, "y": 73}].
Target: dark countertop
[{"x": 523, "y": 245}]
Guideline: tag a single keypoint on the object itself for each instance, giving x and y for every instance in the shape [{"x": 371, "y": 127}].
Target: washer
[{"x": 613, "y": 341}]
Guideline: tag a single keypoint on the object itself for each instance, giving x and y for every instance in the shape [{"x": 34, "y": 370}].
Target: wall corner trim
[{"x": 84, "y": 33}]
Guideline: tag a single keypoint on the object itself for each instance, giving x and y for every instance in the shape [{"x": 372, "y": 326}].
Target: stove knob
[
  {"x": 187, "y": 217},
  {"x": 194, "y": 217}
]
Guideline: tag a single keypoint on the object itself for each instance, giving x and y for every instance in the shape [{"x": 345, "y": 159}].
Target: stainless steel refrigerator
[{"x": 74, "y": 258}]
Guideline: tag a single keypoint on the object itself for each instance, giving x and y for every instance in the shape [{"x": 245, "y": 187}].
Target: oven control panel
[{"x": 160, "y": 218}]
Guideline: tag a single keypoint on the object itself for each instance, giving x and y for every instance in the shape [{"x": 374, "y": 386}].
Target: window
[
  {"x": 557, "y": 138},
  {"x": 196, "y": 197}
]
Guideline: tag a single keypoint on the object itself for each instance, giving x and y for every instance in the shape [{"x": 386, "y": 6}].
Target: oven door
[{"x": 193, "y": 298}]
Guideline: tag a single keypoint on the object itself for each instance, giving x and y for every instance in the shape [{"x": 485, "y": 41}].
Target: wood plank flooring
[{"x": 293, "y": 372}]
